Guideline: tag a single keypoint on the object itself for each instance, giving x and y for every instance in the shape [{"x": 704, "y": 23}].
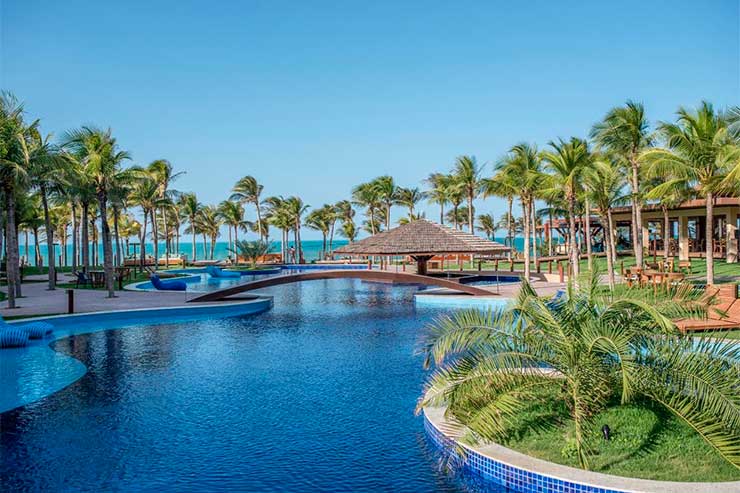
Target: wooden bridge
[{"x": 366, "y": 275}]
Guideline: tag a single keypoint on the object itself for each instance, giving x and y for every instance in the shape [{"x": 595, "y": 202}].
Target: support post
[{"x": 70, "y": 301}]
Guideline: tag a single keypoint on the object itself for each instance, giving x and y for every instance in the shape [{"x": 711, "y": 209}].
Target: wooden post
[
  {"x": 560, "y": 272},
  {"x": 70, "y": 301},
  {"x": 549, "y": 266}
]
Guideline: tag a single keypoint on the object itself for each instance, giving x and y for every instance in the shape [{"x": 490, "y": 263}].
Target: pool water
[{"x": 317, "y": 394}]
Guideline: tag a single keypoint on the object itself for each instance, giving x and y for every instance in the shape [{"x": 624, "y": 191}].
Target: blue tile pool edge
[
  {"x": 529, "y": 479},
  {"x": 17, "y": 364}
]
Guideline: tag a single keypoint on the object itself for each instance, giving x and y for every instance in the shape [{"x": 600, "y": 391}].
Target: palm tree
[
  {"x": 279, "y": 216},
  {"x": 349, "y": 230},
  {"x": 603, "y": 183},
  {"x": 322, "y": 220},
  {"x": 439, "y": 193},
  {"x": 346, "y": 214},
  {"x": 625, "y": 132},
  {"x": 409, "y": 197},
  {"x": 145, "y": 194},
  {"x": 163, "y": 174},
  {"x": 487, "y": 225},
  {"x": 209, "y": 225},
  {"x": 47, "y": 171},
  {"x": 699, "y": 153},
  {"x": 502, "y": 185},
  {"x": 249, "y": 190},
  {"x": 387, "y": 194},
  {"x": 566, "y": 163},
  {"x": 467, "y": 174},
  {"x": 232, "y": 215},
  {"x": 295, "y": 208},
  {"x": 101, "y": 159},
  {"x": 521, "y": 170},
  {"x": 366, "y": 195},
  {"x": 13, "y": 176},
  {"x": 189, "y": 210},
  {"x": 588, "y": 349}
]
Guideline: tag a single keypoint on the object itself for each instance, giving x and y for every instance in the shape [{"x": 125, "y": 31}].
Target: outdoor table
[{"x": 97, "y": 277}]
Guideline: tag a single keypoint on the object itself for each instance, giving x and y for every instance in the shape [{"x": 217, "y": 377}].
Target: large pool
[{"x": 317, "y": 394}]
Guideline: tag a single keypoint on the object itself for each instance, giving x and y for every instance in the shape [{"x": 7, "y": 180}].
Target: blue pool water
[{"x": 316, "y": 394}]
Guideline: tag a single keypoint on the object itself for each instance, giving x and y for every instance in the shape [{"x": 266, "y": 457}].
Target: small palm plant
[
  {"x": 590, "y": 347},
  {"x": 250, "y": 250}
]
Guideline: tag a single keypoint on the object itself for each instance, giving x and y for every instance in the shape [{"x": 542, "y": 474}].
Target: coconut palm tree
[
  {"x": 467, "y": 173},
  {"x": 409, "y": 197},
  {"x": 163, "y": 174},
  {"x": 603, "y": 183},
  {"x": 625, "y": 132},
  {"x": 250, "y": 250},
  {"x": 366, "y": 195},
  {"x": 487, "y": 225},
  {"x": 97, "y": 151},
  {"x": 279, "y": 216},
  {"x": 566, "y": 161},
  {"x": 209, "y": 225},
  {"x": 521, "y": 169},
  {"x": 248, "y": 190},
  {"x": 439, "y": 192},
  {"x": 699, "y": 152},
  {"x": 346, "y": 215},
  {"x": 14, "y": 135},
  {"x": 502, "y": 185},
  {"x": 145, "y": 194},
  {"x": 387, "y": 193},
  {"x": 349, "y": 230},
  {"x": 322, "y": 220},
  {"x": 295, "y": 208},
  {"x": 587, "y": 349},
  {"x": 232, "y": 215},
  {"x": 189, "y": 210}
]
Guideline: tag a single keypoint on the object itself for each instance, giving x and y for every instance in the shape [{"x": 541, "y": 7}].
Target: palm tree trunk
[
  {"x": 525, "y": 214},
  {"x": 549, "y": 234},
  {"x": 471, "y": 226},
  {"x": 637, "y": 223},
  {"x": 119, "y": 260},
  {"x": 213, "y": 246},
  {"x": 49, "y": 239},
  {"x": 38, "y": 261},
  {"x": 74, "y": 236},
  {"x": 85, "y": 239},
  {"x": 107, "y": 245},
  {"x": 205, "y": 247},
  {"x": 388, "y": 216},
  {"x": 166, "y": 240},
  {"x": 608, "y": 237},
  {"x": 709, "y": 233},
  {"x": 666, "y": 233},
  {"x": 11, "y": 245},
  {"x": 142, "y": 253},
  {"x": 192, "y": 227},
  {"x": 454, "y": 219},
  {"x": 589, "y": 253},
  {"x": 441, "y": 213},
  {"x": 259, "y": 218},
  {"x": 155, "y": 238},
  {"x": 295, "y": 241},
  {"x": 534, "y": 231},
  {"x": 510, "y": 225},
  {"x": 573, "y": 250}
]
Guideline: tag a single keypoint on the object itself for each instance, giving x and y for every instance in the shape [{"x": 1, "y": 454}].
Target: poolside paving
[{"x": 38, "y": 300}]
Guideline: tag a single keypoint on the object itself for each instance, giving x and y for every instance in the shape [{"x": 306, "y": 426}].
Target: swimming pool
[{"x": 317, "y": 394}]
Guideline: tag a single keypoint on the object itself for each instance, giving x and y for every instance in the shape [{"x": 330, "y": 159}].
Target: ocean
[{"x": 311, "y": 249}]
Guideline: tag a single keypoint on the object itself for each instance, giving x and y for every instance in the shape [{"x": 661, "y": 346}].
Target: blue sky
[{"x": 314, "y": 97}]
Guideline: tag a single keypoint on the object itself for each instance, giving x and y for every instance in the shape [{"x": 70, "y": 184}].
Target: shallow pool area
[{"x": 316, "y": 394}]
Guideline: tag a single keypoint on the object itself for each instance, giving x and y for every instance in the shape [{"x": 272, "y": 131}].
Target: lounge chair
[
  {"x": 167, "y": 286},
  {"x": 82, "y": 278},
  {"x": 214, "y": 271},
  {"x": 17, "y": 335}
]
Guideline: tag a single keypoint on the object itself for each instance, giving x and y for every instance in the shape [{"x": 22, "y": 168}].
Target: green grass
[
  {"x": 719, "y": 334},
  {"x": 646, "y": 442}
]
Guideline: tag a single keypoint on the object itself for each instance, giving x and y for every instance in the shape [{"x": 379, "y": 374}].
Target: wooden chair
[
  {"x": 82, "y": 279},
  {"x": 684, "y": 264}
]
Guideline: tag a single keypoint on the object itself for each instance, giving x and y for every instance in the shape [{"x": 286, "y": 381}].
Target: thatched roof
[{"x": 422, "y": 237}]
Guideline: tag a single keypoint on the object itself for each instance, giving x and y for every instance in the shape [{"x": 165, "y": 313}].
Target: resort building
[{"x": 686, "y": 232}]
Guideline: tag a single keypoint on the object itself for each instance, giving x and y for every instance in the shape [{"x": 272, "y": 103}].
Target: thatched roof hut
[{"x": 421, "y": 240}]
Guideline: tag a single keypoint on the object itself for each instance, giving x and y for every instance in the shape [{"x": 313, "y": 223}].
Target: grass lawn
[
  {"x": 719, "y": 334},
  {"x": 646, "y": 442}
]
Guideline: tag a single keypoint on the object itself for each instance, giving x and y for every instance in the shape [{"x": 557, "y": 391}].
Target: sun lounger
[
  {"x": 217, "y": 272},
  {"x": 17, "y": 335},
  {"x": 167, "y": 286}
]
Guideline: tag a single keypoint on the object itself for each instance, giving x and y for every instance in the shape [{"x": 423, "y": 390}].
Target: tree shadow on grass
[{"x": 649, "y": 443}]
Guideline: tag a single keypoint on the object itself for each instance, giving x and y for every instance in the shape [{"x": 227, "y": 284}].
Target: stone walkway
[{"x": 38, "y": 300}]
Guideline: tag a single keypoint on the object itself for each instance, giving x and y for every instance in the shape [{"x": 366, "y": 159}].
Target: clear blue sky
[{"x": 314, "y": 97}]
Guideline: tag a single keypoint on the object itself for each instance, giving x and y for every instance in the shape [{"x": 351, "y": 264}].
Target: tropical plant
[
  {"x": 387, "y": 193},
  {"x": 466, "y": 173},
  {"x": 250, "y": 250},
  {"x": 96, "y": 150},
  {"x": 232, "y": 215},
  {"x": 625, "y": 132},
  {"x": 163, "y": 174},
  {"x": 366, "y": 195},
  {"x": 439, "y": 192},
  {"x": 566, "y": 162},
  {"x": 189, "y": 209},
  {"x": 248, "y": 190},
  {"x": 409, "y": 197},
  {"x": 502, "y": 185},
  {"x": 699, "y": 153},
  {"x": 590, "y": 347},
  {"x": 487, "y": 225},
  {"x": 295, "y": 208},
  {"x": 322, "y": 220}
]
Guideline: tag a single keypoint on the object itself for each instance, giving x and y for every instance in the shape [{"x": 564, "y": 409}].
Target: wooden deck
[
  {"x": 725, "y": 315},
  {"x": 367, "y": 275}
]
